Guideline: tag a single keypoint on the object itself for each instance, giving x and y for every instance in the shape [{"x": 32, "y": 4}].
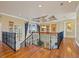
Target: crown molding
[
  {"x": 61, "y": 19},
  {"x": 1, "y": 13}
]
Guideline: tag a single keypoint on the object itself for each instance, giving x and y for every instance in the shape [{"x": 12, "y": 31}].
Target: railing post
[
  {"x": 15, "y": 42},
  {"x": 39, "y": 35},
  {"x": 32, "y": 38},
  {"x": 25, "y": 43},
  {"x": 50, "y": 41}
]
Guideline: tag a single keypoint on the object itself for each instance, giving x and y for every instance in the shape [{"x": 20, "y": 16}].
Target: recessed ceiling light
[
  {"x": 69, "y": 1},
  {"x": 40, "y": 5}
]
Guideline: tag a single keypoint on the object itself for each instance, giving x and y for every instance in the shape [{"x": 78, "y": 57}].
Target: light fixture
[
  {"x": 69, "y": 1},
  {"x": 39, "y": 5}
]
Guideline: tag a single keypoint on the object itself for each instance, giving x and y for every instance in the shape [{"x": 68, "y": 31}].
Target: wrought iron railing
[
  {"x": 51, "y": 40},
  {"x": 9, "y": 39},
  {"x": 27, "y": 41}
]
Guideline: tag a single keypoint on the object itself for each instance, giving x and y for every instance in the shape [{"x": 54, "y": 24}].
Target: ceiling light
[
  {"x": 40, "y": 6},
  {"x": 69, "y": 1}
]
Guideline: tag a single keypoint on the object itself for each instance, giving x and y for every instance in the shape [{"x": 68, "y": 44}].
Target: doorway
[{"x": 54, "y": 28}]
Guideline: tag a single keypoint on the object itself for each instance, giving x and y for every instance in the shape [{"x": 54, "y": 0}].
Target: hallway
[{"x": 68, "y": 48}]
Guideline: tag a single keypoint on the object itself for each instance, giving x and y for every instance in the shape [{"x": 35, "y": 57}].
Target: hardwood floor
[{"x": 68, "y": 48}]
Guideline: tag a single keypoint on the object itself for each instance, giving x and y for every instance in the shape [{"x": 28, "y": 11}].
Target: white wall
[
  {"x": 71, "y": 33},
  {"x": 62, "y": 24}
]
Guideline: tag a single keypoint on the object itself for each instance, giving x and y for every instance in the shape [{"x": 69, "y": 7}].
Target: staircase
[
  {"x": 27, "y": 41},
  {"x": 45, "y": 40},
  {"x": 51, "y": 40}
]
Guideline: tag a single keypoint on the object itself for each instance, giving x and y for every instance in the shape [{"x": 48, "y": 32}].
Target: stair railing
[{"x": 27, "y": 41}]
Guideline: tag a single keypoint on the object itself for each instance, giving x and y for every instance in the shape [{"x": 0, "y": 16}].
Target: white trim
[
  {"x": 70, "y": 36},
  {"x": 76, "y": 28},
  {"x": 11, "y": 15},
  {"x": 63, "y": 19},
  {"x": 1, "y": 13},
  {"x": 26, "y": 19},
  {"x": 77, "y": 43},
  {"x": 76, "y": 24},
  {"x": 64, "y": 29},
  {"x": 77, "y": 8}
]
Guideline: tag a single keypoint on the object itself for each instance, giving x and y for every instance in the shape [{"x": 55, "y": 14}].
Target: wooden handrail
[{"x": 46, "y": 32}]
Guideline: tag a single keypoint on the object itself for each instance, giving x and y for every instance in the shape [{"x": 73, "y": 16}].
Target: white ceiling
[{"x": 28, "y": 9}]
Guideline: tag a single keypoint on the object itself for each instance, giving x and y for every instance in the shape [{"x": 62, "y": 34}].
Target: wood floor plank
[{"x": 67, "y": 49}]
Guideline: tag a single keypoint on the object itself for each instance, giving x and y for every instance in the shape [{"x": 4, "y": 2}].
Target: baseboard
[{"x": 69, "y": 37}]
